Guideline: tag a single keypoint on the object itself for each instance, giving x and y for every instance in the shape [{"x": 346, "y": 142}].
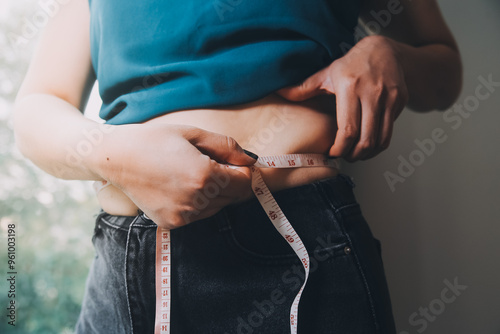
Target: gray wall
[{"x": 442, "y": 223}]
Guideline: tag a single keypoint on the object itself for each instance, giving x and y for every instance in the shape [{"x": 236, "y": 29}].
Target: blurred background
[
  {"x": 53, "y": 218},
  {"x": 434, "y": 204}
]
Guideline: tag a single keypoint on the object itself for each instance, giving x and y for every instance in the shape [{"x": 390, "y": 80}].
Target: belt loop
[
  {"x": 97, "y": 228},
  {"x": 141, "y": 214}
]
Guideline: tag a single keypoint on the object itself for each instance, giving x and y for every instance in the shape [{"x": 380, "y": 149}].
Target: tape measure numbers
[
  {"x": 277, "y": 218},
  {"x": 162, "y": 281}
]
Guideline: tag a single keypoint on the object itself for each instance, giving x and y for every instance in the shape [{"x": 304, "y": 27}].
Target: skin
[
  {"x": 346, "y": 110},
  {"x": 376, "y": 79}
]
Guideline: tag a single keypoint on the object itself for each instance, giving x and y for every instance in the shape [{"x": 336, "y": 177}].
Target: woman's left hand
[{"x": 370, "y": 90}]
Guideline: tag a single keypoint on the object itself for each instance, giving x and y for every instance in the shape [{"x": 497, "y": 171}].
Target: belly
[{"x": 268, "y": 126}]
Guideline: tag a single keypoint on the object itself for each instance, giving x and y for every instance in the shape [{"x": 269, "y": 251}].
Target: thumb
[
  {"x": 224, "y": 149},
  {"x": 305, "y": 90}
]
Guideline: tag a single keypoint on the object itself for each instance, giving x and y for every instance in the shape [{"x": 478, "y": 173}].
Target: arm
[
  {"x": 48, "y": 123},
  {"x": 425, "y": 48},
  {"x": 146, "y": 161},
  {"x": 416, "y": 62}
]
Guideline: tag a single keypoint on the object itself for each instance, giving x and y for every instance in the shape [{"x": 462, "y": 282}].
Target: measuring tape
[{"x": 276, "y": 216}]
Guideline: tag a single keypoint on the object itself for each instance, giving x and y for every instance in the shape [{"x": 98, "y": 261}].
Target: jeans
[{"x": 233, "y": 273}]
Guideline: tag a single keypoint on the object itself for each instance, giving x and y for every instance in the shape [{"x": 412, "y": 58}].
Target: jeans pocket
[
  {"x": 260, "y": 242},
  {"x": 266, "y": 246}
]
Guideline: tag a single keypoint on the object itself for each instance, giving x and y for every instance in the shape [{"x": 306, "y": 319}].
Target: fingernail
[{"x": 251, "y": 155}]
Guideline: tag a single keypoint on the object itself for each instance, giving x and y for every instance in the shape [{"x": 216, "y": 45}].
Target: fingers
[
  {"x": 221, "y": 180},
  {"x": 234, "y": 184},
  {"x": 367, "y": 146},
  {"x": 215, "y": 185},
  {"x": 386, "y": 126},
  {"x": 395, "y": 104},
  {"x": 365, "y": 126},
  {"x": 305, "y": 90},
  {"x": 348, "y": 122},
  {"x": 218, "y": 186},
  {"x": 223, "y": 149},
  {"x": 222, "y": 187}
]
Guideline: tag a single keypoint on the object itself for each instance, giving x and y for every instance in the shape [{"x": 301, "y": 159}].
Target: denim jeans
[{"x": 233, "y": 273}]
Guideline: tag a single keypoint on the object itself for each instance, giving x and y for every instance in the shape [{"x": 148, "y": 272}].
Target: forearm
[
  {"x": 423, "y": 46},
  {"x": 56, "y": 137},
  {"x": 433, "y": 75}
]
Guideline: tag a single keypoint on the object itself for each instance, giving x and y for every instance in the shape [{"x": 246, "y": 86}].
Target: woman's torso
[
  {"x": 193, "y": 55},
  {"x": 269, "y": 126}
]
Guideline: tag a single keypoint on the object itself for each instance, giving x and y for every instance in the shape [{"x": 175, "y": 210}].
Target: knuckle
[
  {"x": 170, "y": 219},
  {"x": 367, "y": 144},
  {"x": 350, "y": 132},
  {"x": 394, "y": 92},
  {"x": 198, "y": 177},
  {"x": 231, "y": 143},
  {"x": 199, "y": 183},
  {"x": 351, "y": 82},
  {"x": 399, "y": 93},
  {"x": 378, "y": 90},
  {"x": 394, "y": 89},
  {"x": 178, "y": 221}
]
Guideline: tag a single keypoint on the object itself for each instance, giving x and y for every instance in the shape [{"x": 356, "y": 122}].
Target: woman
[{"x": 185, "y": 87}]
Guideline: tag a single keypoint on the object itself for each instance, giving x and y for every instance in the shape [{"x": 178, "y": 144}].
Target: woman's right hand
[{"x": 175, "y": 174}]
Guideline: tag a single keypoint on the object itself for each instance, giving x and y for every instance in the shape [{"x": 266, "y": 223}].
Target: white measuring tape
[{"x": 273, "y": 211}]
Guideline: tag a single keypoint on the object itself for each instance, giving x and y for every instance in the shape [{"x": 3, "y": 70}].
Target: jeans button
[{"x": 347, "y": 250}]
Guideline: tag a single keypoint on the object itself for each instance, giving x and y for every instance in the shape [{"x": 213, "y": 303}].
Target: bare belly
[{"x": 268, "y": 126}]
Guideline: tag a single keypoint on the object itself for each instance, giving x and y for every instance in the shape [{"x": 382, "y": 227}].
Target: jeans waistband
[{"x": 338, "y": 190}]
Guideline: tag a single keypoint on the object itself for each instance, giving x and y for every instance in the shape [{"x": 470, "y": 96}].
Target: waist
[{"x": 270, "y": 126}]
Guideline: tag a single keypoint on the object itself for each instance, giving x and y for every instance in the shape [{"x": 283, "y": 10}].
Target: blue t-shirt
[{"x": 152, "y": 57}]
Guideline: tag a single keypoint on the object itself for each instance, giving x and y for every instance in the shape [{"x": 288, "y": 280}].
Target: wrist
[
  {"x": 382, "y": 44},
  {"x": 104, "y": 151}
]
